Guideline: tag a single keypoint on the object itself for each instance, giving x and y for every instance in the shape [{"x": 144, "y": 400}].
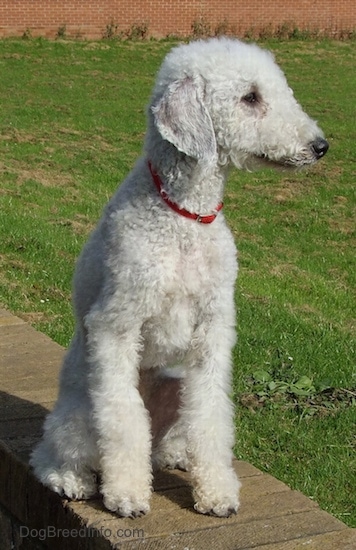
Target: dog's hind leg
[
  {"x": 171, "y": 451},
  {"x": 66, "y": 458},
  {"x": 161, "y": 391}
]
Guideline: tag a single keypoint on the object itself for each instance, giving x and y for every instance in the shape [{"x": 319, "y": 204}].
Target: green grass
[{"x": 72, "y": 124}]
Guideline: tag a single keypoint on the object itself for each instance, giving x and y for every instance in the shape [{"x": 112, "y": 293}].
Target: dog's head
[{"x": 222, "y": 101}]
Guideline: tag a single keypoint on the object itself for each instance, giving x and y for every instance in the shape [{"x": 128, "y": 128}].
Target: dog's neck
[
  {"x": 200, "y": 218},
  {"x": 193, "y": 186}
]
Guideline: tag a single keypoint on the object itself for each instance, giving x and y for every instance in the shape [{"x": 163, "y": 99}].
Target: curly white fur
[{"x": 147, "y": 376}]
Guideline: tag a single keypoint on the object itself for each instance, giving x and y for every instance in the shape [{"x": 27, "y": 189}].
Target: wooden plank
[
  {"x": 7, "y": 319},
  {"x": 172, "y": 512},
  {"x": 336, "y": 540},
  {"x": 224, "y": 534}
]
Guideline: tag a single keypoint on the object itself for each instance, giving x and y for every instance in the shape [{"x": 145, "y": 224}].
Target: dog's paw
[
  {"x": 221, "y": 500},
  {"x": 221, "y": 510},
  {"x": 168, "y": 461},
  {"x": 72, "y": 485},
  {"x": 127, "y": 507},
  {"x": 171, "y": 454}
]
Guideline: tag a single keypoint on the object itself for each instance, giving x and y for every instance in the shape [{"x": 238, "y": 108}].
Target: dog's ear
[{"x": 182, "y": 119}]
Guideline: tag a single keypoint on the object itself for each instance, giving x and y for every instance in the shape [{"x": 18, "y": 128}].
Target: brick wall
[{"x": 95, "y": 18}]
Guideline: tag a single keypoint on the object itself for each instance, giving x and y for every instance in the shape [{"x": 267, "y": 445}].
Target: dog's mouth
[
  {"x": 306, "y": 157},
  {"x": 263, "y": 161}
]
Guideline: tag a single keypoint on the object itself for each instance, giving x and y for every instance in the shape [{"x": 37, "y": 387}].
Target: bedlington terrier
[{"x": 146, "y": 380}]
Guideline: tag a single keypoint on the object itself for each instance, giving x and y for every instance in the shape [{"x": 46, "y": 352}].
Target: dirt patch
[
  {"x": 346, "y": 227},
  {"x": 80, "y": 225},
  {"x": 45, "y": 178},
  {"x": 15, "y": 135},
  {"x": 34, "y": 317},
  {"x": 288, "y": 190},
  {"x": 281, "y": 269}
]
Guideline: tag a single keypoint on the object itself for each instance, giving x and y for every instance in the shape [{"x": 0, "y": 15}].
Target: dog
[{"x": 146, "y": 380}]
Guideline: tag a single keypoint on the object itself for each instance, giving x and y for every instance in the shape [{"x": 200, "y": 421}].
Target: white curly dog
[{"x": 146, "y": 380}]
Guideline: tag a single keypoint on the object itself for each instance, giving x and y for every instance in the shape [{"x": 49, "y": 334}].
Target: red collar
[{"x": 197, "y": 217}]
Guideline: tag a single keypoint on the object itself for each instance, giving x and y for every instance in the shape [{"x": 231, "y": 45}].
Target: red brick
[{"x": 164, "y": 18}]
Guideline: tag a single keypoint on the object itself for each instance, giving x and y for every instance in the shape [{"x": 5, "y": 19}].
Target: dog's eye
[{"x": 250, "y": 98}]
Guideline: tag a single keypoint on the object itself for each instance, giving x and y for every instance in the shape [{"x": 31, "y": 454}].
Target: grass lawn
[{"x": 72, "y": 123}]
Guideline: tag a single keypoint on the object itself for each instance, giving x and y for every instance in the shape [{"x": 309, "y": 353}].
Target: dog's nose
[{"x": 320, "y": 147}]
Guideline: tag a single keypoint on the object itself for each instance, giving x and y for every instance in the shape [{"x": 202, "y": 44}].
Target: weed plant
[{"x": 72, "y": 126}]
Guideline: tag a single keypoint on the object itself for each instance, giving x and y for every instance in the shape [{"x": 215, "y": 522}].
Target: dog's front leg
[
  {"x": 120, "y": 418},
  {"x": 208, "y": 416}
]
